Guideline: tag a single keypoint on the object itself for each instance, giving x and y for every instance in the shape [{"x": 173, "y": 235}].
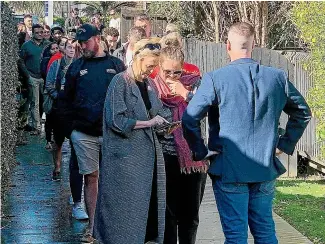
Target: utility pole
[
  {"x": 69, "y": 9},
  {"x": 49, "y": 12}
]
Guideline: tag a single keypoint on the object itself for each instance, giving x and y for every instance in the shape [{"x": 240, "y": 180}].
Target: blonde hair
[
  {"x": 173, "y": 39},
  {"x": 241, "y": 36},
  {"x": 171, "y": 28},
  {"x": 172, "y": 53},
  {"x": 242, "y": 29},
  {"x": 139, "y": 52}
]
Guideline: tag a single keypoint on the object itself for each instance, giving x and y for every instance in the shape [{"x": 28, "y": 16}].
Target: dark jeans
[
  {"x": 49, "y": 125},
  {"x": 184, "y": 195},
  {"x": 243, "y": 205},
  {"x": 41, "y": 100},
  {"x": 76, "y": 179}
]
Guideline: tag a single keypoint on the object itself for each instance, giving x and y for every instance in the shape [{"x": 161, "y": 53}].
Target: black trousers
[
  {"x": 49, "y": 125},
  {"x": 184, "y": 193},
  {"x": 76, "y": 179}
]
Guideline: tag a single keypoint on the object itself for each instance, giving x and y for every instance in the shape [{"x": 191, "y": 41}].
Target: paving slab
[{"x": 36, "y": 209}]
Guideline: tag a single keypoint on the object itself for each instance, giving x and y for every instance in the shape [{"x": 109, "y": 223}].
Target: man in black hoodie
[{"x": 87, "y": 80}]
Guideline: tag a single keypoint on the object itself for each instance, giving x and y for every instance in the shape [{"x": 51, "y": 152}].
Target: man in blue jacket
[{"x": 244, "y": 101}]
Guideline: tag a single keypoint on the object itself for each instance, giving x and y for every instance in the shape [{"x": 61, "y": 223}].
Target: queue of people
[{"x": 133, "y": 116}]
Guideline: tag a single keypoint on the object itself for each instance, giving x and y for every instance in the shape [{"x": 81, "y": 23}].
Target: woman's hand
[
  {"x": 158, "y": 120},
  {"x": 177, "y": 88},
  {"x": 278, "y": 152}
]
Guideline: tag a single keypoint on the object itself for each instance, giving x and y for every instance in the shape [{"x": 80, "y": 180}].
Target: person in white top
[
  {"x": 115, "y": 21},
  {"x": 125, "y": 53}
]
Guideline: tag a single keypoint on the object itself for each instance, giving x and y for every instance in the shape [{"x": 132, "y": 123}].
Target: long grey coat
[{"x": 126, "y": 170}]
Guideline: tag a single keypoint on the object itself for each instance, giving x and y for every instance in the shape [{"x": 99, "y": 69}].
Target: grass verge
[{"x": 302, "y": 204}]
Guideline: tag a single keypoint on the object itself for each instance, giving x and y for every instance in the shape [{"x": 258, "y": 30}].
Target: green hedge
[{"x": 9, "y": 79}]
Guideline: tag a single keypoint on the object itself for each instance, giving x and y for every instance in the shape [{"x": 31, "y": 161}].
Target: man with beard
[
  {"x": 87, "y": 80},
  {"x": 30, "y": 55}
]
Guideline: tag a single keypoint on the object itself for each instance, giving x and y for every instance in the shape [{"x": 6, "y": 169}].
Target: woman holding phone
[
  {"x": 185, "y": 179},
  {"x": 131, "y": 191}
]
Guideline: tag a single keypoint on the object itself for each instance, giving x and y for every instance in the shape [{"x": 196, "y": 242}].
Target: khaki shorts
[{"x": 87, "y": 150}]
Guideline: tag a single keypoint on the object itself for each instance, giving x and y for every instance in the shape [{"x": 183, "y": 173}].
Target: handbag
[{"x": 47, "y": 99}]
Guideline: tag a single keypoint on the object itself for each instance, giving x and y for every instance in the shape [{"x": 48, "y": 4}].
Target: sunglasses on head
[
  {"x": 172, "y": 72},
  {"x": 149, "y": 46}
]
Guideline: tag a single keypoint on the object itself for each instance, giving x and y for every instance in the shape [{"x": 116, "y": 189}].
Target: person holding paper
[
  {"x": 185, "y": 179},
  {"x": 244, "y": 101}
]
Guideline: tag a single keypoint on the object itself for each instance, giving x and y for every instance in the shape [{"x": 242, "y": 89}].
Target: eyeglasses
[
  {"x": 150, "y": 46},
  {"x": 172, "y": 72}
]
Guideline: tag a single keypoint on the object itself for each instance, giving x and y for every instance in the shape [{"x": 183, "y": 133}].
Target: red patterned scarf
[{"x": 178, "y": 105}]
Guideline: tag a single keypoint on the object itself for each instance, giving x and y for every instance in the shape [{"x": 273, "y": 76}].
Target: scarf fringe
[{"x": 195, "y": 169}]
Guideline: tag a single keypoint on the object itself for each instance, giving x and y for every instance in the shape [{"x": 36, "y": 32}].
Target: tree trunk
[
  {"x": 264, "y": 32},
  {"x": 243, "y": 10},
  {"x": 215, "y": 6},
  {"x": 257, "y": 22}
]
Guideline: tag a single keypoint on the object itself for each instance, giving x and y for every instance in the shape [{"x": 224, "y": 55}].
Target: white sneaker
[{"x": 78, "y": 212}]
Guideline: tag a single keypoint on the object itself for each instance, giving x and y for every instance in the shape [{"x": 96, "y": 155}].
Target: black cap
[
  {"x": 85, "y": 32},
  {"x": 56, "y": 27}
]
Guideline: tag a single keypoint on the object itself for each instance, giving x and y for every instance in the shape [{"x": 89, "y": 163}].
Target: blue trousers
[{"x": 242, "y": 205}]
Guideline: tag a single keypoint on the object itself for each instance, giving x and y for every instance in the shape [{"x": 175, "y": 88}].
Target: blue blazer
[{"x": 244, "y": 101}]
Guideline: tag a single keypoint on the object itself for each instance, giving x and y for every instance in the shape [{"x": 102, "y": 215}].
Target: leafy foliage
[
  {"x": 104, "y": 7},
  {"x": 28, "y": 7},
  {"x": 9, "y": 78},
  {"x": 210, "y": 21},
  {"x": 58, "y": 20},
  {"x": 310, "y": 19}
]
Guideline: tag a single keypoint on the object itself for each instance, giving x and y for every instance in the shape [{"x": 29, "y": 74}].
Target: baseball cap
[{"x": 85, "y": 32}]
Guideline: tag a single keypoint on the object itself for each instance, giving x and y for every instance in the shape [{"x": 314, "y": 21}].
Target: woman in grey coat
[{"x": 131, "y": 195}]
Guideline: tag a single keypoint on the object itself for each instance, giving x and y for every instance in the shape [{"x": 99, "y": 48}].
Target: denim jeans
[
  {"x": 35, "y": 88},
  {"x": 243, "y": 205}
]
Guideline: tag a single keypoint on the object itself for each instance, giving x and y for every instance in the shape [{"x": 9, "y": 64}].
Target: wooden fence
[
  {"x": 158, "y": 23},
  {"x": 209, "y": 56}
]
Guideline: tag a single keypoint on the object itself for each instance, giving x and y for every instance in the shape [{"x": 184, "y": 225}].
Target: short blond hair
[
  {"x": 241, "y": 36},
  {"x": 173, "y": 39},
  {"x": 242, "y": 29}
]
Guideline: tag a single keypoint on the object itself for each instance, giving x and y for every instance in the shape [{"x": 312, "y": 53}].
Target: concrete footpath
[{"x": 36, "y": 209}]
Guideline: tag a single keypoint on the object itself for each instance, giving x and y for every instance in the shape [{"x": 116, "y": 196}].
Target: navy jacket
[
  {"x": 244, "y": 101},
  {"x": 84, "y": 93}
]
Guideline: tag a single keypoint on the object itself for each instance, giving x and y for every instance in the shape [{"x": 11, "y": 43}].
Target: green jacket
[{"x": 30, "y": 53}]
